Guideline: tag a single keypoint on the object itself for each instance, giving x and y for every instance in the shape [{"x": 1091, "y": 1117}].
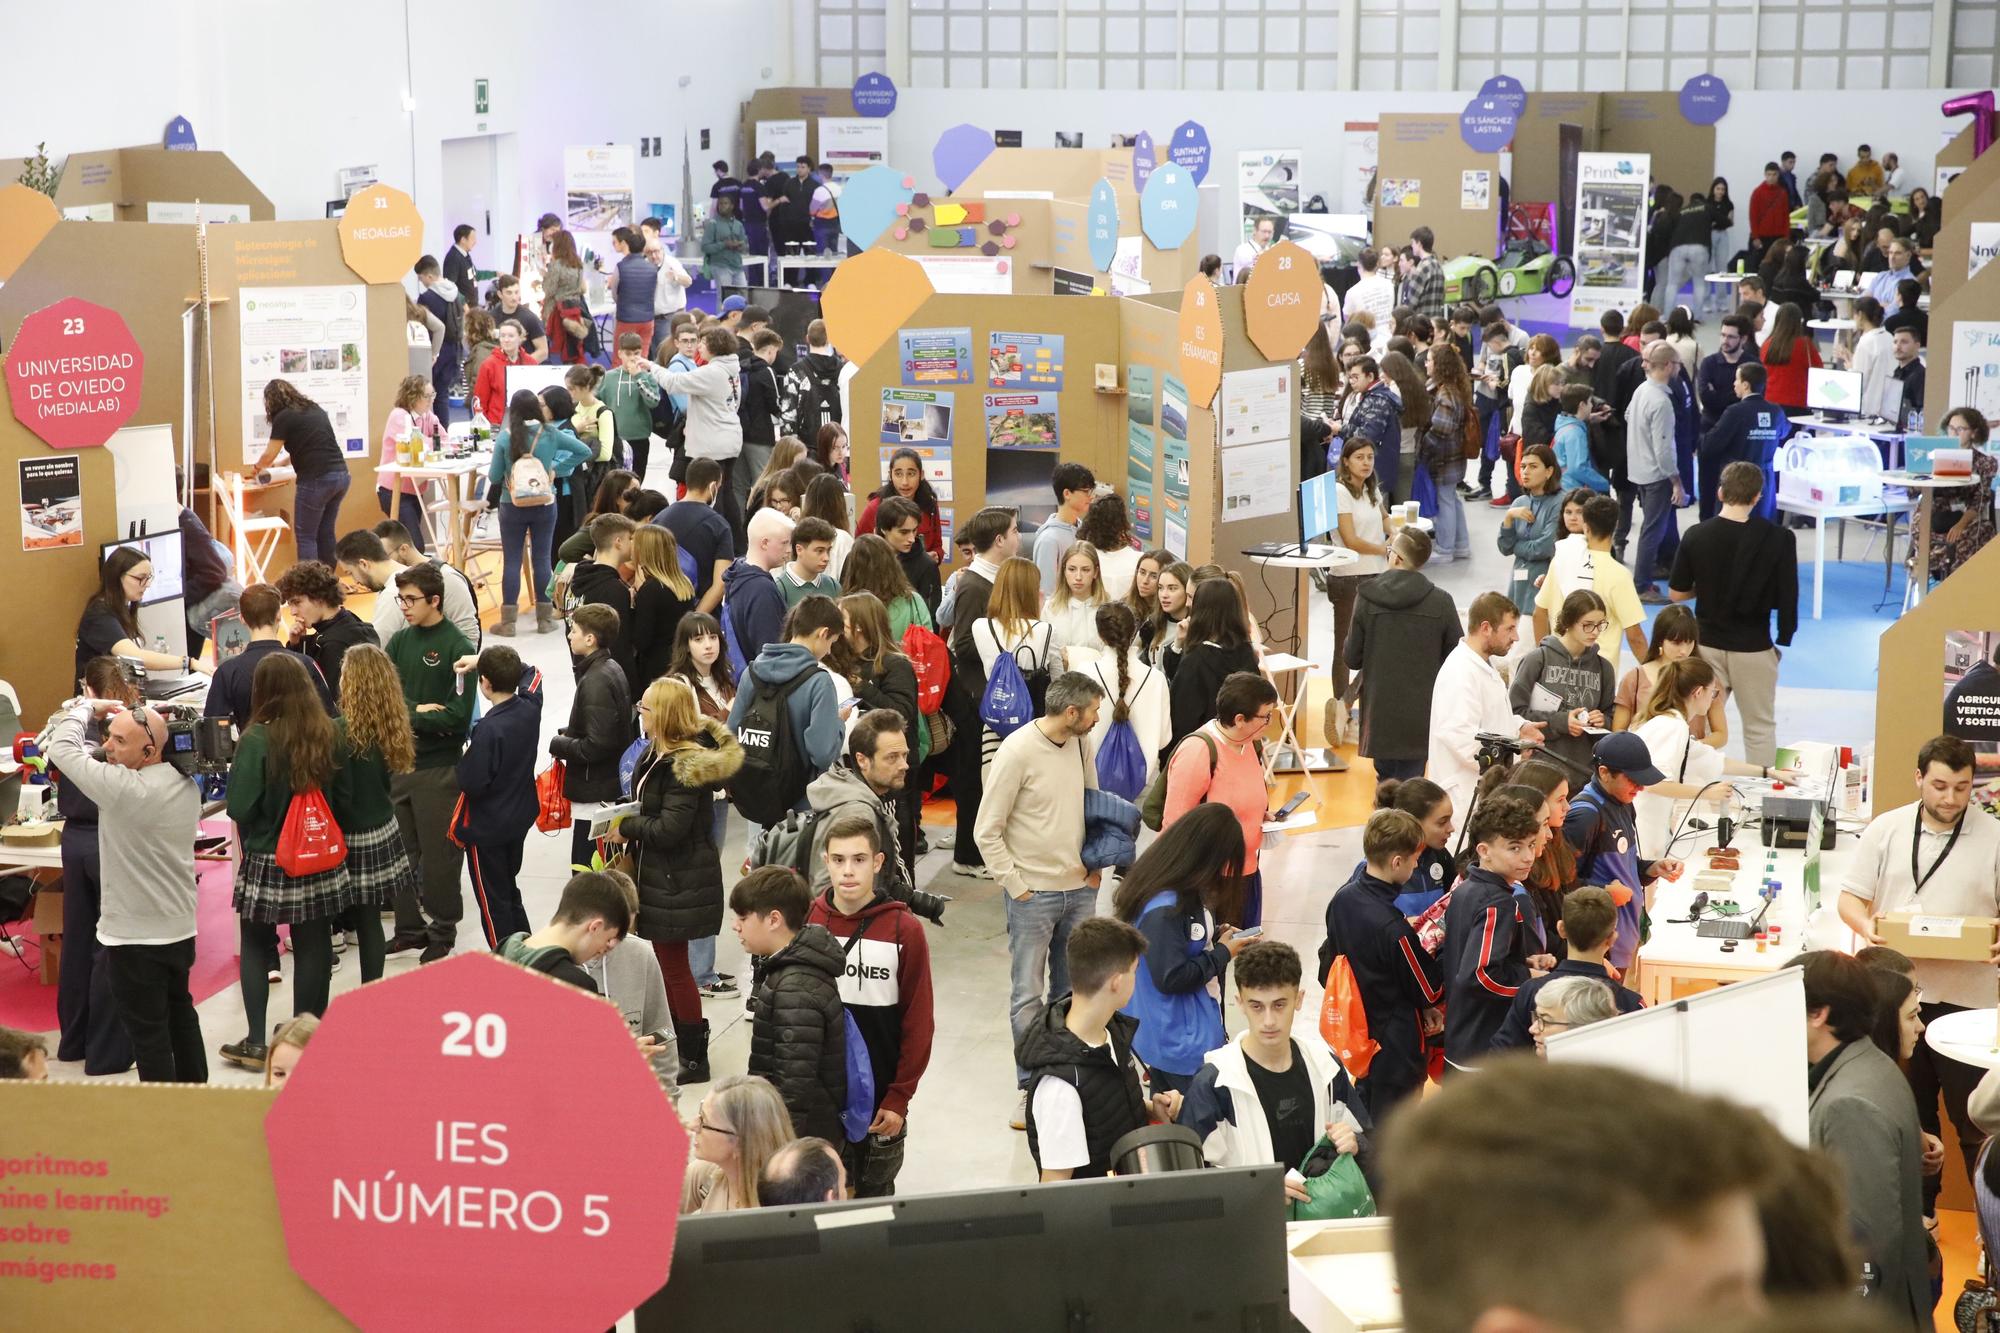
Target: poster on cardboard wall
[
  {"x": 1139, "y": 394},
  {"x": 852, "y": 144},
  {"x": 1176, "y": 538},
  {"x": 51, "y": 503},
  {"x": 1173, "y": 407},
  {"x": 916, "y": 416},
  {"x": 935, "y": 356},
  {"x": 1023, "y": 421},
  {"x": 598, "y": 187},
  {"x": 1475, "y": 190},
  {"x": 1972, "y": 691},
  {"x": 1267, "y": 186},
  {"x": 1610, "y": 234},
  {"x": 783, "y": 139},
  {"x": 1257, "y": 479},
  {"x": 1985, "y": 244},
  {"x": 1024, "y": 361},
  {"x": 1139, "y": 505},
  {"x": 1975, "y": 365},
  {"x": 315, "y": 338},
  {"x": 1174, "y": 462},
  {"x": 1399, "y": 192}
]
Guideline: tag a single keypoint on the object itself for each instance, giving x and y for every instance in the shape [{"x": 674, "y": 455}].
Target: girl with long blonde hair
[
  {"x": 1071, "y": 607},
  {"x": 661, "y": 594},
  {"x": 380, "y": 745},
  {"x": 740, "y": 1126}
]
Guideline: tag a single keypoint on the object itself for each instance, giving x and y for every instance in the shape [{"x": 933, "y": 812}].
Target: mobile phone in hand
[{"x": 1286, "y": 810}]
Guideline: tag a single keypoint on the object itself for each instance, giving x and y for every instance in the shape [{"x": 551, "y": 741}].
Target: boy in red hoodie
[{"x": 886, "y": 986}]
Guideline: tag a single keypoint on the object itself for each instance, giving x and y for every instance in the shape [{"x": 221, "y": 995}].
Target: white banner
[
  {"x": 783, "y": 139},
  {"x": 1610, "y": 234},
  {"x": 315, "y": 338},
  {"x": 1357, "y": 177},
  {"x": 598, "y": 184},
  {"x": 850, "y": 144},
  {"x": 1267, "y": 186},
  {"x": 968, "y": 275}
]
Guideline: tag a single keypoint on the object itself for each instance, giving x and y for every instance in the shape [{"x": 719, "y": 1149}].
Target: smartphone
[
  {"x": 1290, "y": 807},
  {"x": 1250, "y": 934}
]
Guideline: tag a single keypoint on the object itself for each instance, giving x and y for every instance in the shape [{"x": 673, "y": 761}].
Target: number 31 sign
[{"x": 488, "y": 1128}]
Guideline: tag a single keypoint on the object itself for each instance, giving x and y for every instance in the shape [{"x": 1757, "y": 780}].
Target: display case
[{"x": 1830, "y": 470}]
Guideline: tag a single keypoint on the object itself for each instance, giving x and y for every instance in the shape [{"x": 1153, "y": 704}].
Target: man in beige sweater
[{"x": 1030, "y": 832}]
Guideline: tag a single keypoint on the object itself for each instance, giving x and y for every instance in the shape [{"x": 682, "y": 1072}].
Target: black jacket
[
  {"x": 656, "y": 615},
  {"x": 680, "y": 866},
  {"x": 458, "y": 271},
  {"x": 1514, "y": 1033},
  {"x": 895, "y": 689},
  {"x": 496, "y": 774},
  {"x": 592, "y": 584},
  {"x": 1404, "y": 627},
  {"x": 1203, "y": 668},
  {"x": 975, "y": 590},
  {"x": 331, "y": 639},
  {"x": 1398, "y": 979},
  {"x": 1485, "y": 963},
  {"x": 1104, "y": 1077},
  {"x": 758, "y": 407},
  {"x": 922, "y": 572},
  {"x": 601, "y": 725},
  {"x": 798, "y": 1032}
]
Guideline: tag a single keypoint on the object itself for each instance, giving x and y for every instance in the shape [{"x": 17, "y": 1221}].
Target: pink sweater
[
  {"x": 400, "y": 420},
  {"x": 1238, "y": 782}
]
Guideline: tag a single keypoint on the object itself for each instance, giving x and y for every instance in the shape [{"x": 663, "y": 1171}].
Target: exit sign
[{"x": 479, "y": 98}]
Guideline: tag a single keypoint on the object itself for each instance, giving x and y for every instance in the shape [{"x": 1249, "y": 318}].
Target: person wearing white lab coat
[{"x": 1469, "y": 698}]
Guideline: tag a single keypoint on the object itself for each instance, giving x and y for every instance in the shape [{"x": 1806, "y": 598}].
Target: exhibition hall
[{"x": 914, "y": 665}]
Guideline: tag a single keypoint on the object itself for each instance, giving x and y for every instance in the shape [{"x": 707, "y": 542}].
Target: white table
[
  {"x": 453, "y": 477},
  {"x": 1966, "y": 1036},
  {"x": 1831, "y": 325},
  {"x": 1821, "y": 514},
  {"x": 1726, "y": 279},
  {"x": 1920, "y": 529},
  {"x": 1297, "y": 759}
]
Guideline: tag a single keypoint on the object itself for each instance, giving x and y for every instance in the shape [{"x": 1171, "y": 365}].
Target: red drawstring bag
[
  {"x": 553, "y": 816},
  {"x": 310, "y": 841},
  {"x": 1344, "y": 1023}
]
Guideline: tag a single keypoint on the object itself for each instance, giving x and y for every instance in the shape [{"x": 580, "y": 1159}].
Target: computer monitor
[
  {"x": 1319, "y": 510},
  {"x": 1833, "y": 392},
  {"x": 164, "y": 550}
]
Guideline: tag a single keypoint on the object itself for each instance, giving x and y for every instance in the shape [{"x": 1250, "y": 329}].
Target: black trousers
[
  {"x": 85, "y": 1009},
  {"x": 1930, "y": 1075},
  {"x": 1385, "y": 1090},
  {"x": 966, "y": 780},
  {"x": 496, "y": 871},
  {"x": 151, "y": 983}
]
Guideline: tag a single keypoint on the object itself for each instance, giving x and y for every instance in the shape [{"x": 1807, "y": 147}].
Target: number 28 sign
[
  {"x": 487, "y": 1132},
  {"x": 74, "y": 373}
]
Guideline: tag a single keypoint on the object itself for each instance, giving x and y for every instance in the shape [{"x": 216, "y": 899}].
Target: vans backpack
[
  {"x": 773, "y": 777},
  {"x": 819, "y": 399},
  {"x": 529, "y": 485}
]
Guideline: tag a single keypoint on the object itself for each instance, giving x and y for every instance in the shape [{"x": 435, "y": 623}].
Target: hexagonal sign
[
  {"x": 432, "y": 1132},
  {"x": 26, "y": 216},
  {"x": 381, "y": 236},
  {"x": 1200, "y": 340},
  {"x": 74, "y": 373},
  {"x": 1282, "y": 299},
  {"x": 872, "y": 295}
]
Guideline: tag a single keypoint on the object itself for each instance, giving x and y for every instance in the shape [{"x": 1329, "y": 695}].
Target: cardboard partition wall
[
  {"x": 1069, "y": 249},
  {"x": 1974, "y": 197},
  {"x": 1965, "y": 312},
  {"x": 139, "y": 1189},
  {"x": 1957, "y": 153},
  {"x": 1067, "y": 173},
  {"x": 947, "y": 236},
  {"x": 807, "y": 104},
  {"x": 132, "y": 184},
  {"x": 1912, "y": 655},
  {"x": 1425, "y": 176},
  {"x": 1683, "y": 153},
  {"x": 1537, "y": 170}
]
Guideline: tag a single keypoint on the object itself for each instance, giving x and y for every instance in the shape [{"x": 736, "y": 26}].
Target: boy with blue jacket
[
  {"x": 1573, "y": 441},
  {"x": 1485, "y": 955},
  {"x": 1603, "y": 829},
  {"x": 496, "y": 779},
  {"x": 1589, "y": 924}
]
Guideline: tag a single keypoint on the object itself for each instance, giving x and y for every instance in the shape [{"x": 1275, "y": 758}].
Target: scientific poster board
[
  {"x": 850, "y": 144},
  {"x": 784, "y": 139},
  {"x": 1267, "y": 186},
  {"x": 598, "y": 186},
  {"x": 1421, "y": 164},
  {"x": 315, "y": 338},
  {"x": 1610, "y": 234}
]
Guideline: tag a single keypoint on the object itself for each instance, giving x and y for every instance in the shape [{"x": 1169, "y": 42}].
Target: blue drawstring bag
[
  {"x": 1424, "y": 491},
  {"x": 1006, "y": 706},
  {"x": 628, "y": 764},
  {"x": 1121, "y": 761}
]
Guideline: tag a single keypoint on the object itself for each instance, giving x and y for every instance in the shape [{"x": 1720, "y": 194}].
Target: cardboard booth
[
  {"x": 152, "y": 184},
  {"x": 1427, "y": 175},
  {"x": 1962, "y": 360}
]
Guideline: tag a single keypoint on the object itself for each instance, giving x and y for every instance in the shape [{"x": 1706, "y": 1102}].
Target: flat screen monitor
[
  {"x": 164, "y": 550},
  {"x": 1833, "y": 390},
  {"x": 1109, "y": 1255},
  {"x": 1319, "y": 511}
]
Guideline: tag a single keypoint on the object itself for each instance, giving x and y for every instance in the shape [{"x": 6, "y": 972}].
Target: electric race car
[{"x": 1527, "y": 267}]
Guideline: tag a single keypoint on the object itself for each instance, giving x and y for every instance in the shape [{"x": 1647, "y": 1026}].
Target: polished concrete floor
[{"x": 958, "y": 1123}]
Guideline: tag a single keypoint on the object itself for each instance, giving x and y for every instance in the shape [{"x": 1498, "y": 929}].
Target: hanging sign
[{"x": 74, "y": 373}]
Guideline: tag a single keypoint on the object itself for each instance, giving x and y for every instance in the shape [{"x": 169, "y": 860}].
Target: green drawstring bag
[{"x": 1337, "y": 1187}]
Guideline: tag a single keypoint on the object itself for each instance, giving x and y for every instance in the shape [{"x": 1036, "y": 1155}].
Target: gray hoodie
[
  {"x": 1584, "y": 681},
  {"x": 713, "y": 391},
  {"x": 841, "y": 790},
  {"x": 145, "y": 836},
  {"x": 629, "y": 976}
]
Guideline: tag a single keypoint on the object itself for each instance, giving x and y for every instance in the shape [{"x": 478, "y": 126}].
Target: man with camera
[{"x": 146, "y": 841}]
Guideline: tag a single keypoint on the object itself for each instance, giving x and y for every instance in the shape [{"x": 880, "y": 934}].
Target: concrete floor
[{"x": 959, "y": 1118}]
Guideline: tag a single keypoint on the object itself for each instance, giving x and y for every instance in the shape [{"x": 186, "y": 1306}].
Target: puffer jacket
[
  {"x": 680, "y": 867},
  {"x": 601, "y": 727},
  {"x": 798, "y": 1031}
]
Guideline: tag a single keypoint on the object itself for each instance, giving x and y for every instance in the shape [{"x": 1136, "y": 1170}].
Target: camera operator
[{"x": 146, "y": 920}]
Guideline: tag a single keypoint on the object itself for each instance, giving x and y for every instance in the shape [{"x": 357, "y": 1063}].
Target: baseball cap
[
  {"x": 732, "y": 304},
  {"x": 1623, "y": 752}
]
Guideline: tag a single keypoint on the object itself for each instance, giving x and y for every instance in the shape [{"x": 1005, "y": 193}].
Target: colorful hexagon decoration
[
  {"x": 1200, "y": 341},
  {"x": 959, "y": 152},
  {"x": 871, "y": 202},
  {"x": 74, "y": 373},
  {"x": 381, "y": 235},
  {"x": 1281, "y": 301},
  {"x": 1102, "y": 222},
  {"x": 1167, "y": 207},
  {"x": 26, "y": 216},
  {"x": 1190, "y": 149},
  {"x": 872, "y": 295}
]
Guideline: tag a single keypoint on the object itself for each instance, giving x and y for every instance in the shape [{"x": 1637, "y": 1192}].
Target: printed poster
[
  {"x": 1022, "y": 421},
  {"x": 935, "y": 460},
  {"x": 1267, "y": 186},
  {"x": 1475, "y": 190},
  {"x": 1174, "y": 455},
  {"x": 598, "y": 187},
  {"x": 1068, "y": 282},
  {"x": 1024, "y": 361},
  {"x": 1175, "y": 528},
  {"x": 1255, "y": 405},
  {"x": 1972, "y": 702},
  {"x": 783, "y": 139},
  {"x": 316, "y": 338},
  {"x": 851, "y": 144},
  {"x": 1173, "y": 407},
  {"x": 51, "y": 503},
  {"x": 1985, "y": 244},
  {"x": 1975, "y": 364},
  {"x": 1399, "y": 192},
  {"x": 1361, "y": 145},
  {"x": 1139, "y": 394},
  {"x": 1257, "y": 479},
  {"x": 935, "y": 356},
  {"x": 916, "y": 416},
  {"x": 1139, "y": 474},
  {"x": 1610, "y": 234},
  {"x": 968, "y": 275}
]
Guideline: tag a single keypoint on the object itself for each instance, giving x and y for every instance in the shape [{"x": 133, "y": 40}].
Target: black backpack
[
  {"x": 820, "y": 403},
  {"x": 773, "y": 777}
]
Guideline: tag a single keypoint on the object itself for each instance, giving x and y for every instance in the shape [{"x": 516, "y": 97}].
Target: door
[{"x": 472, "y": 169}]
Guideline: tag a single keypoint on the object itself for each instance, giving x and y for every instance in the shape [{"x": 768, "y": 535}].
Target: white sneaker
[
  {"x": 1019, "y": 1120},
  {"x": 970, "y": 872}
]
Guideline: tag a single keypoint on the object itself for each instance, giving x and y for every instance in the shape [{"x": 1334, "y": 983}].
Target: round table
[{"x": 1966, "y": 1036}]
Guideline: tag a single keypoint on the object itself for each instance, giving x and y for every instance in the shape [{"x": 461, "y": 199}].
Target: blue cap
[
  {"x": 1623, "y": 752},
  {"x": 732, "y": 304}
]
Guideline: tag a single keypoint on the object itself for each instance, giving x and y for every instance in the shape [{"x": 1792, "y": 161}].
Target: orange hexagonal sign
[
  {"x": 26, "y": 216},
  {"x": 871, "y": 296},
  {"x": 1200, "y": 341},
  {"x": 381, "y": 236},
  {"x": 1281, "y": 302}
]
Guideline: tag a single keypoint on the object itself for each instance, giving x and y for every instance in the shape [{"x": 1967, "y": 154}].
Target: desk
[
  {"x": 452, "y": 476},
  {"x": 1822, "y": 513},
  {"x": 1314, "y": 556},
  {"x": 1920, "y": 526},
  {"x": 1967, "y": 1037}
]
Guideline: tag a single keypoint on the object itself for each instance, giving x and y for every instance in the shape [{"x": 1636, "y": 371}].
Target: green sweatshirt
[
  {"x": 423, "y": 658},
  {"x": 260, "y": 799},
  {"x": 631, "y": 399}
]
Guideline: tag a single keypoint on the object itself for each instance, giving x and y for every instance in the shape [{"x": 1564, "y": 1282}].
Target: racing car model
[{"x": 1527, "y": 267}]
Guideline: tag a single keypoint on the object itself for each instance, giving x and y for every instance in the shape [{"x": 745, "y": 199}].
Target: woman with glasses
[
  {"x": 741, "y": 1125},
  {"x": 1566, "y": 684},
  {"x": 1221, "y": 763},
  {"x": 110, "y": 623}
]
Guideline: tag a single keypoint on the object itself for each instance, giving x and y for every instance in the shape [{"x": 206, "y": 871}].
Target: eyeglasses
[
  {"x": 143, "y": 580},
  {"x": 701, "y": 1122},
  {"x": 1263, "y": 719},
  {"x": 1550, "y": 1024},
  {"x": 411, "y": 598},
  {"x": 1590, "y": 626}
]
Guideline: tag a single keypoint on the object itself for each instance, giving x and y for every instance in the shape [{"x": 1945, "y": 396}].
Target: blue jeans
[
  {"x": 408, "y": 510},
  {"x": 316, "y": 512},
  {"x": 1656, "y": 499},
  {"x": 536, "y": 525},
  {"x": 1452, "y": 541},
  {"x": 1038, "y": 928},
  {"x": 701, "y": 952}
]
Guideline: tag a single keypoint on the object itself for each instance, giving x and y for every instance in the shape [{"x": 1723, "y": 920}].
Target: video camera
[{"x": 197, "y": 746}]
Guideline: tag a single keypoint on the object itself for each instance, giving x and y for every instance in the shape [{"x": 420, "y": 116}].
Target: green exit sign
[{"x": 479, "y": 98}]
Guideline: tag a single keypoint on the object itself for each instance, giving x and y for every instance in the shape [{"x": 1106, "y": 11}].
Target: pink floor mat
[{"x": 26, "y": 1004}]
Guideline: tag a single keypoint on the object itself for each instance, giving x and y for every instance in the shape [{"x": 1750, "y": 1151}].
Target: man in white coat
[{"x": 1469, "y": 698}]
